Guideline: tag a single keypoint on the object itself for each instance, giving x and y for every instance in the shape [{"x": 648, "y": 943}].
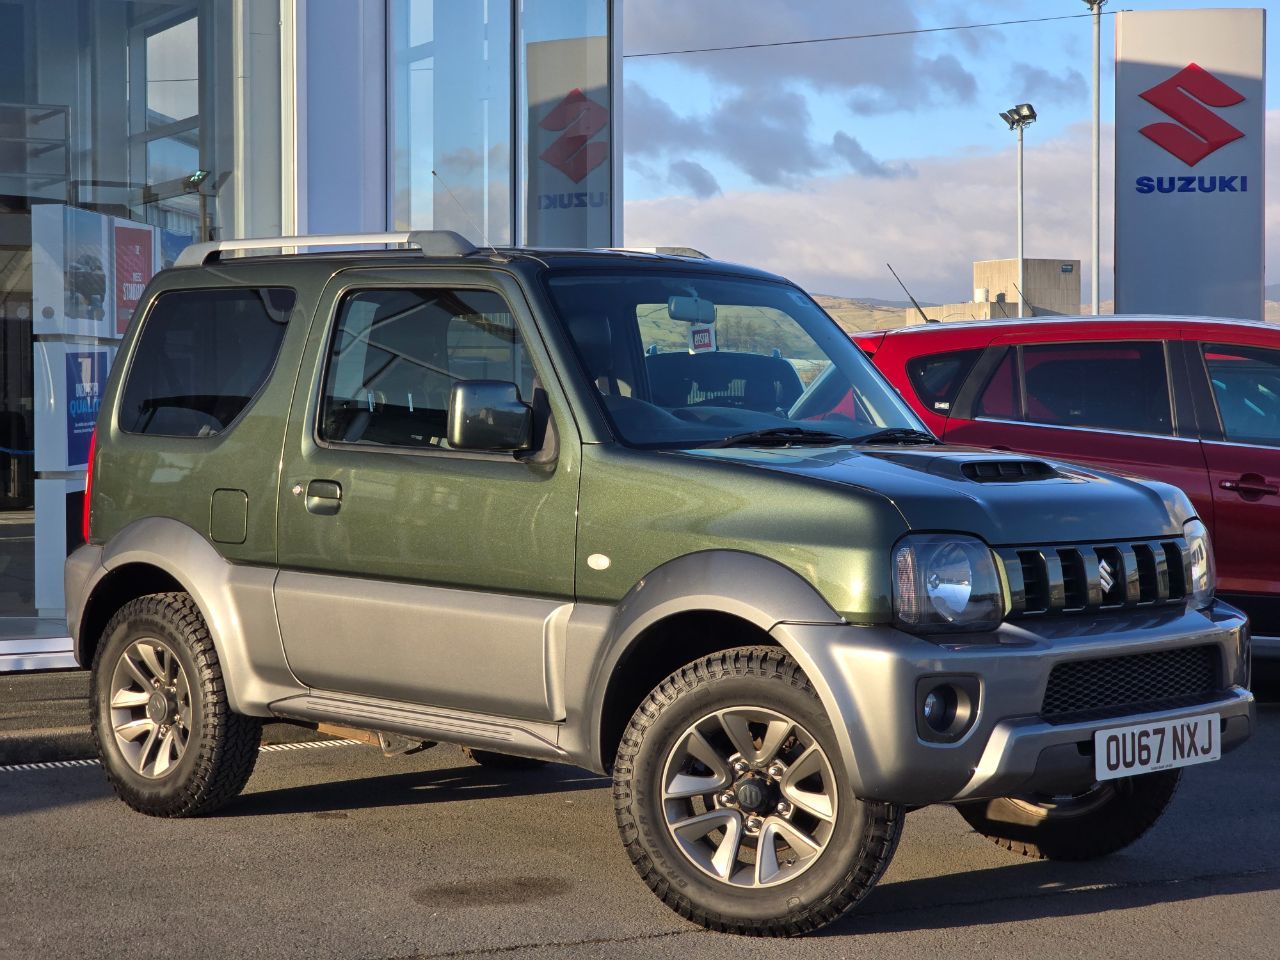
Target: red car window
[
  {"x": 938, "y": 377},
  {"x": 1109, "y": 386},
  {"x": 1246, "y": 388},
  {"x": 1000, "y": 396}
]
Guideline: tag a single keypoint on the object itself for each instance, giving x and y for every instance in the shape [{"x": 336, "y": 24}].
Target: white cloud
[{"x": 834, "y": 234}]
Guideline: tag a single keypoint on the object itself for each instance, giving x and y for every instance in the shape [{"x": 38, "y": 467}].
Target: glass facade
[
  {"x": 130, "y": 128},
  {"x": 500, "y": 116},
  {"x": 120, "y": 127}
]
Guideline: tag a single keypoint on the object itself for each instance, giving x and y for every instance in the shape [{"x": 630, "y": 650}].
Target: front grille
[
  {"x": 1165, "y": 678},
  {"x": 1107, "y": 576}
]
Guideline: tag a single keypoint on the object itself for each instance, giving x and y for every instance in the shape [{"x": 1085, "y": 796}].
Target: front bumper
[{"x": 869, "y": 677}]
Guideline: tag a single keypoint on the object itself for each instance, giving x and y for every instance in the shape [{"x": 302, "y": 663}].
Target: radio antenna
[
  {"x": 484, "y": 234},
  {"x": 908, "y": 293}
]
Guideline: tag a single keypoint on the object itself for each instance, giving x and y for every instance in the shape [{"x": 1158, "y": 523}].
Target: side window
[
  {"x": 202, "y": 356},
  {"x": 1109, "y": 386},
  {"x": 937, "y": 379},
  {"x": 999, "y": 399},
  {"x": 1246, "y": 386},
  {"x": 396, "y": 354}
]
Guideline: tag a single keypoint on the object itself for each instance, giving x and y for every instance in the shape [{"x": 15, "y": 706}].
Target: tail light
[{"x": 88, "y": 485}]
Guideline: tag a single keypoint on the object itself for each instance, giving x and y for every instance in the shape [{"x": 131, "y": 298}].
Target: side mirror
[{"x": 489, "y": 415}]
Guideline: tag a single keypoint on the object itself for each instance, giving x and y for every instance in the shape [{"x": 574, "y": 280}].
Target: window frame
[
  {"x": 144, "y": 324},
  {"x": 316, "y": 412},
  {"x": 1176, "y": 411}
]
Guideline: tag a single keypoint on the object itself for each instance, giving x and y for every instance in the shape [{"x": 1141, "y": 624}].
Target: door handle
[
  {"x": 324, "y": 497},
  {"x": 1251, "y": 486}
]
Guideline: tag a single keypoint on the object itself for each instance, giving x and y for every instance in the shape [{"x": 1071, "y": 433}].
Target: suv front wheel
[
  {"x": 167, "y": 738},
  {"x": 734, "y": 805}
]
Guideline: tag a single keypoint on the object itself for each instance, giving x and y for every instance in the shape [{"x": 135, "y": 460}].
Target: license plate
[{"x": 1148, "y": 747}]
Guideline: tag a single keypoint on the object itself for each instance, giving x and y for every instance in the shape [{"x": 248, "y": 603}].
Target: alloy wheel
[
  {"x": 749, "y": 796},
  {"x": 150, "y": 707}
]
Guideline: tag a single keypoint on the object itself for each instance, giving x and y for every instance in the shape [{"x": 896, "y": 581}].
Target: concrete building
[
  {"x": 130, "y": 128},
  {"x": 1053, "y": 289}
]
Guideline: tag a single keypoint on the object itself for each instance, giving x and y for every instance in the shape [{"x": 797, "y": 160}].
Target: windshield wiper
[
  {"x": 780, "y": 437},
  {"x": 898, "y": 435}
]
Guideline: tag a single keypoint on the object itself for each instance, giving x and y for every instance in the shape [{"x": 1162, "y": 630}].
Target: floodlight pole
[
  {"x": 1022, "y": 262},
  {"x": 1018, "y": 118},
  {"x": 1095, "y": 271}
]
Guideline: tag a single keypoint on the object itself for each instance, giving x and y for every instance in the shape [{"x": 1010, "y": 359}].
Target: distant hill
[
  {"x": 862, "y": 314},
  {"x": 1271, "y": 292}
]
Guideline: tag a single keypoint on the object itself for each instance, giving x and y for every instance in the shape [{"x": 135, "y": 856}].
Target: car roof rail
[
  {"x": 691, "y": 252},
  {"x": 432, "y": 243}
]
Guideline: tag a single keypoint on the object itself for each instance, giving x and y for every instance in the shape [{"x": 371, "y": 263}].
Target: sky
[{"x": 824, "y": 161}]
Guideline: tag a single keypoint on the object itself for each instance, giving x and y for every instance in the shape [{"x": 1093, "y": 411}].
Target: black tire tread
[
  {"x": 878, "y": 842},
  {"x": 228, "y": 743},
  {"x": 1122, "y": 822}
]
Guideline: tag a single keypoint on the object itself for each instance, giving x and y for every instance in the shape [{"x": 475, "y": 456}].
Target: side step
[{"x": 525, "y": 738}]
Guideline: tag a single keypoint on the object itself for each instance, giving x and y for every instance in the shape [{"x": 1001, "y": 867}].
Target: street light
[
  {"x": 1095, "y": 271},
  {"x": 1019, "y": 118}
]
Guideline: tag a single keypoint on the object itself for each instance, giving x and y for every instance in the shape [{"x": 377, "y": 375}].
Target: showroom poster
[
  {"x": 69, "y": 380},
  {"x": 86, "y": 376},
  {"x": 134, "y": 250},
  {"x": 71, "y": 267},
  {"x": 570, "y": 177}
]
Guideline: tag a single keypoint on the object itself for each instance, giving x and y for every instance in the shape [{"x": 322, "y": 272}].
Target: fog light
[
  {"x": 946, "y": 707},
  {"x": 939, "y": 707}
]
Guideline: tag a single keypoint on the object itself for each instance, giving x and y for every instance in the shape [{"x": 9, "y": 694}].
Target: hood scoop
[{"x": 1006, "y": 471}]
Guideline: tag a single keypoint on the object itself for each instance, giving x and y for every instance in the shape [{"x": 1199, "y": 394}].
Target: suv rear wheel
[
  {"x": 168, "y": 741},
  {"x": 734, "y": 805},
  {"x": 1087, "y": 826}
]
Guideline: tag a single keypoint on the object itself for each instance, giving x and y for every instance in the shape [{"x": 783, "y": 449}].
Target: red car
[{"x": 1194, "y": 402}]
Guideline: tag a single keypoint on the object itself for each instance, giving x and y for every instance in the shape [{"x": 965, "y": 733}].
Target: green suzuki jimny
[{"x": 641, "y": 512}]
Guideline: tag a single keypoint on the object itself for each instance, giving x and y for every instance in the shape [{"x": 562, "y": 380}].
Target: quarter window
[
  {"x": 937, "y": 379},
  {"x": 999, "y": 400},
  {"x": 396, "y": 355},
  {"x": 1246, "y": 387},
  {"x": 202, "y": 356},
  {"x": 1109, "y": 386}
]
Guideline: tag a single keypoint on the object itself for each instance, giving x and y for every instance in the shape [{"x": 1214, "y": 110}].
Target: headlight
[
  {"x": 1203, "y": 576},
  {"x": 945, "y": 582}
]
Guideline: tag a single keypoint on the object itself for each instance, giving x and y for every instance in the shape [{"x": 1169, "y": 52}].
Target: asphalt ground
[{"x": 336, "y": 851}]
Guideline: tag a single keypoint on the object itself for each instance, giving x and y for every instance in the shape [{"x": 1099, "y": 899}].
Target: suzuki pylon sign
[{"x": 1190, "y": 147}]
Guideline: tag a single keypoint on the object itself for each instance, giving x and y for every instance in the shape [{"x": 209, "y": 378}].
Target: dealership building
[{"x": 130, "y": 128}]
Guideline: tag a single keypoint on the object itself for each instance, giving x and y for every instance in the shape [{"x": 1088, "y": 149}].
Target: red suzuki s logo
[
  {"x": 1186, "y": 98},
  {"x": 581, "y": 118}
]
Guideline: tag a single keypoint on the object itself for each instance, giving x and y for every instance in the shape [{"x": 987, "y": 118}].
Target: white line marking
[{"x": 265, "y": 748}]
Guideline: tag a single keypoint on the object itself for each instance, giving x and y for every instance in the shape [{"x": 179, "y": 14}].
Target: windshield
[{"x": 686, "y": 359}]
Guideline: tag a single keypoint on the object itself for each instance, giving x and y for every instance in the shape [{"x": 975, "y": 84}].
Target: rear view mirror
[
  {"x": 691, "y": 310},
  {"x": 489, "y": 415}
]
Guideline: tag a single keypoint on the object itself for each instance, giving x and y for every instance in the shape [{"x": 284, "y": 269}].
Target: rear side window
[
  {"x": 1246, "y": 387},
  {"x": 1109, "y": 386},
  {"x": 202, "y": 356},
  {"x": 937, "y": 379}
]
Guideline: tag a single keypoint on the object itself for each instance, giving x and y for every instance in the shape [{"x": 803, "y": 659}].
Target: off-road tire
[
  {"x": 222, "y": 746},
  {"x": 501, "y": 761},
  {"x": 860, "y": 848},
  {"x": 1129, "y": 808}
]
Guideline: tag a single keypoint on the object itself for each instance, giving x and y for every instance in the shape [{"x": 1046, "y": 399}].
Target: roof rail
[
  {"x": 669, "y": 251},
  {"x": 432, "y": 243}
]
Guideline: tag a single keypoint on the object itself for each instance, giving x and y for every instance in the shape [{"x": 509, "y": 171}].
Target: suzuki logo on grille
[
  {"x": 1106, "y": 575},
  {"x": 581, "y": 118},
  {"x": 1186, "y": 98}
]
